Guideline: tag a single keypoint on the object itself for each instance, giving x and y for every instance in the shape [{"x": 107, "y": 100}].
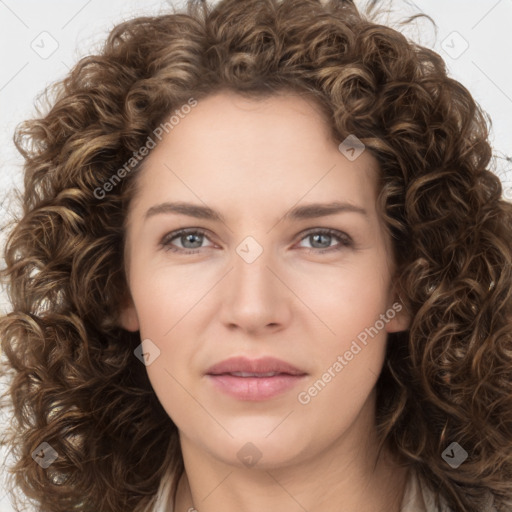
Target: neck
[{"x": 381, "y": 493}]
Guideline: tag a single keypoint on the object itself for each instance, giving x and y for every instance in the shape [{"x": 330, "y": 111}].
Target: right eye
[{"x": 194, "y": 237}]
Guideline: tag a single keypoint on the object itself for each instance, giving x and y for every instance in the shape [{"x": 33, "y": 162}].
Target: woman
[{"x": 369, "y": 369}]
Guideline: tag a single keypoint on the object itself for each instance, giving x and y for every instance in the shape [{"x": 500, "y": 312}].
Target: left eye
[
  {"x": 192, "y": 240},
  {"x": 329, "y": 234}
]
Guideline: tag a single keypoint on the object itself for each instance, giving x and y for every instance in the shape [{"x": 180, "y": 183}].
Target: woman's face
[{"x": 258, "y": 277}]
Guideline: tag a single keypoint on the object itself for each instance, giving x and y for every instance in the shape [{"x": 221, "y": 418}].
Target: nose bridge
[
  {"x": 251, "y": 264},
  {"x": 252, "y": 296}
]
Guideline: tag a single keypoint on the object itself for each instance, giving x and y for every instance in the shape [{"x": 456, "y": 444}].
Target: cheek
[
  {"x": 346, "y": 301},
  {"x": 169, "y": 305},
  {"x": 351, "y": 335},
  {"x": 163, "y": 295},
  {"x": 171, "y": 374}
]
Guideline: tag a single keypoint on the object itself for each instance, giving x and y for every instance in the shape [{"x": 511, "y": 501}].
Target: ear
[
  {"x": 128, "y": 318},
  {"x": 400, "y": 319}
]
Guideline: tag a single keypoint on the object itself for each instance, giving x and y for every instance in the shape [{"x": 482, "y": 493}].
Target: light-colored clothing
[{"x": 417, "y": 497}]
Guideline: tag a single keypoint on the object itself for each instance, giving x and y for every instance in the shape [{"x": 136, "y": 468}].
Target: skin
[{"x": 252, "y": 161}]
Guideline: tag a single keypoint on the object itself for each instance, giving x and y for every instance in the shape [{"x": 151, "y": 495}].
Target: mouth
[{"x": 254, "y": 379}]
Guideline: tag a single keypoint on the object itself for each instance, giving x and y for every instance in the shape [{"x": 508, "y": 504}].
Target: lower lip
[{"x": 255, "y": 388}]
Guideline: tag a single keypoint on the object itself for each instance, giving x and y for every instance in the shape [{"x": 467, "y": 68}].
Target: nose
[{"x": 254, "y": 297}]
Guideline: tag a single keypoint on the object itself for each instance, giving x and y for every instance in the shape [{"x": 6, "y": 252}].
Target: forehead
[{"x": 230, "y": 149}]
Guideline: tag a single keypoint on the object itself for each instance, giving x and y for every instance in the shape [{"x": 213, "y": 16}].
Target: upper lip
[{"x": 261, "y": 365}]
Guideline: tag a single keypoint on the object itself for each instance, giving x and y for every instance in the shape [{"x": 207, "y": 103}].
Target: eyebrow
[{"x": 310, "y": 211}]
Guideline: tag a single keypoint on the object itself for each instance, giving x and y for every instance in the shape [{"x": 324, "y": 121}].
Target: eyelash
[{"x": 343, "y": 238}]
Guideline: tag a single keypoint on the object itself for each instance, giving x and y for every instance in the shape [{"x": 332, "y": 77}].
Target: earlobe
[
  {"x": 400, "y": 319},
  {"x": 128, "y": 318}
]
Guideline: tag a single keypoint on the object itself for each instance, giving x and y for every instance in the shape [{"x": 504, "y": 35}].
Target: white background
[{"x": 29, "y": 28}]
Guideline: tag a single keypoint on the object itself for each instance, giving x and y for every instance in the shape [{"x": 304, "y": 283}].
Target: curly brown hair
[{"x": 76, "y": 383}]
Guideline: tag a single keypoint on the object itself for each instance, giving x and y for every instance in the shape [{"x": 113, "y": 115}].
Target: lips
[{"x": 254, "y": 379}]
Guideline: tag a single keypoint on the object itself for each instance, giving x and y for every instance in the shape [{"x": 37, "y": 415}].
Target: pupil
[
  {"x": 192, "y": 236},
  {"x": 320, "y": 236}
]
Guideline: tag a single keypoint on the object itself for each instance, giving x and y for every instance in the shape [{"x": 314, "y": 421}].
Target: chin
[{"x": 254, "y": 447}]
